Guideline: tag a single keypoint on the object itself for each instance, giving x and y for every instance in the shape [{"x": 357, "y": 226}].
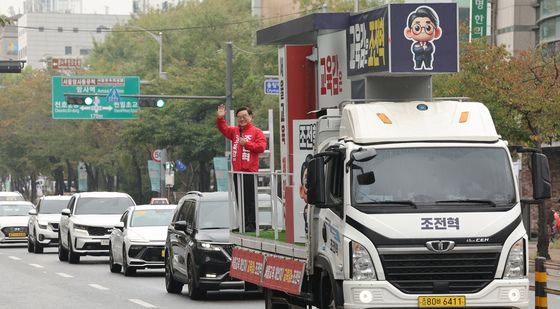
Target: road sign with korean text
[
  {"x": 271, "y": 86},
  {"x": 105, "y": 91}
]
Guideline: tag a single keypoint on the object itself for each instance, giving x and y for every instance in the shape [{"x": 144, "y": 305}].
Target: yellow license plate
[
  {"x": 441, "y": 301},
  {"x": 17, "y": 234},
  {"x": 162, "y": 252}
]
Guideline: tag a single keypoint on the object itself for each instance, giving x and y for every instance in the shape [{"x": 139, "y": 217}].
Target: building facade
[
  {"x": 8, "y": 43},
  {"x": 45, "y": 36},
  {"x": 548, "y": 23},
  {"x": 53, "y": 6}
]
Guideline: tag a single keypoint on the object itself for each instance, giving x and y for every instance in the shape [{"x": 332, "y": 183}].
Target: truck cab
[{"x": 416, "y": 204}]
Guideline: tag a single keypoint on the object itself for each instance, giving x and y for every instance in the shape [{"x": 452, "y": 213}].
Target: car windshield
[
  {"x": 52, "y": 206},
  {"x": 410, "y": 177},
  {"x": 11, "y": 198},
  {"x": 213, "y": 215},
  {"x": 9, "y": 210},
  {"x": 151, "y": 217},
  {"x": 102, "y": 205}
]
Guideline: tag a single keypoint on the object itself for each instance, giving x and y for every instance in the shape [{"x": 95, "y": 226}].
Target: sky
[{"x": 121, "y": 7}]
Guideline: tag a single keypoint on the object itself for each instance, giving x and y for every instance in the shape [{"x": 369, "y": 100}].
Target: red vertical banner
[{"x": 297, "y": 98}]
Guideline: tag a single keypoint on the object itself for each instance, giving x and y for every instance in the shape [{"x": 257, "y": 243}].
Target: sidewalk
[{"x": 552, "y": 265}]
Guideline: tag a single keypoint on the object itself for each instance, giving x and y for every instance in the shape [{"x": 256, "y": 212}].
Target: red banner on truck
[
  {"x": 283, "y": 274},
  {"x": 247, "y": 265}
]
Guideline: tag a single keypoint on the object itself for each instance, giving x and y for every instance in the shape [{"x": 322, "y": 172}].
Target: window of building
[
  {"x": 68, "y": 50},
  {"x": 59, "y": 29},
  {"x": 41, "y": 29},
  {"x": 75, "y": 30},
  {"x": 84, "y": 52}
]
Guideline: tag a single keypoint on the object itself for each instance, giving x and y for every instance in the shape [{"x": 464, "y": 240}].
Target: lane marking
[
  {"x": 65, "y": 275},
  {"x": 97, "y": 286},
  {"x": 15, "y": 258},
  {"x": 142, "y": 303},
  {"x": 36, "y": 265}
]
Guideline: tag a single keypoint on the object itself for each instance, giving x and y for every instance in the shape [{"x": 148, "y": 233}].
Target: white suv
[
  {"x": 86, "y": 224},
  {"x": 43, "y": 222}
]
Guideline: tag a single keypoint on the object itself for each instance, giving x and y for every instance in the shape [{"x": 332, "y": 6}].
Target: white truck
[{"x": 411, "y": 205}]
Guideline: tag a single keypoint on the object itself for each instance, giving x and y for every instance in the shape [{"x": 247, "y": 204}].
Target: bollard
[{"x": 541, "y": 302}]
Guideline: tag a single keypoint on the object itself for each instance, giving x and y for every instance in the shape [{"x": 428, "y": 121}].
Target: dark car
[{"x": 197, "y": 249}]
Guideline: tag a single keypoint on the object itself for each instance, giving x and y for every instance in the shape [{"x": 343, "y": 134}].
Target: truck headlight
[
  {"x": 362, "y": 264},
  {"x": 515, "y": 263}
]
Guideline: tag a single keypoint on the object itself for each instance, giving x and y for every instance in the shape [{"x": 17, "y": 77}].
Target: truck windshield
[{"x": 412, "y": 177}]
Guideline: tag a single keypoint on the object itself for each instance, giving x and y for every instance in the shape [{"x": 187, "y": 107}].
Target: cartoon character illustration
[{"x": 423, "y": 28}]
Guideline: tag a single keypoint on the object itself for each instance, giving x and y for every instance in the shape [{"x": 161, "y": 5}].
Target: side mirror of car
[
  {"x": 119, "y": 226},
  {"x": 32, "y": 212},
  {"x": 181, "y": 226},
  {"x": 66, "y": 212}
]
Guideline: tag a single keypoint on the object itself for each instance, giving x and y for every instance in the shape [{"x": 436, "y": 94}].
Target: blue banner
[
  {"x": 180, "y": 166},
  {"x": 154, "y": 173}
]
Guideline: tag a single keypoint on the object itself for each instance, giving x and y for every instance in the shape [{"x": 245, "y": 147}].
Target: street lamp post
[{"x": 159, "y": 40}]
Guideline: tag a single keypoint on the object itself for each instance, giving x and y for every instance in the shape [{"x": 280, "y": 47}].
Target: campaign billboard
[{"x": 410, "y": 38}]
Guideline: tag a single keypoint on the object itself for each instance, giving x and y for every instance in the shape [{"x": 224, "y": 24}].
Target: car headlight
[
  {"x": 42, "y": 225},
  {"x": 208, "y": 246},
  {"x": 362, "y": 264},
  {"x": 515, "y": 263},
  {"x": 78, "y": 228}
]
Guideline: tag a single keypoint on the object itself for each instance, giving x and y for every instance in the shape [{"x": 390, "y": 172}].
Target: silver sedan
[{"x": 138, "y": 240}]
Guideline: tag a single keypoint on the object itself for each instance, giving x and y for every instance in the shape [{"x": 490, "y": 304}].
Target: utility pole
[{"x": 229, "y": 85}]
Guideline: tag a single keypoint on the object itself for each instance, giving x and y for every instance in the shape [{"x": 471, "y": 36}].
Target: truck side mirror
[
  {"x": 316, "y": 194},
  {"x": 120, "y": 226},
  {"x": 540, "y": 173}
]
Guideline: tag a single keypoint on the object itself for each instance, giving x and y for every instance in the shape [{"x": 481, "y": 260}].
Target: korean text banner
[
  {"x": 367, "y": 40},
  {"x": 424, "y": 38}
]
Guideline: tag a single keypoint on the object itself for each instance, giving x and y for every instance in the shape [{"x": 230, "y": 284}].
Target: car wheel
[
  {"x": 127, "y": 270},
  {"x": 195, "y": 292},
  {"x": 171, "y": 285},
  {"x": 62, "y": 252},
  {"x": 115, "y": 268},
  {"x": 37, "y": 247},
  {"x": 73, "y": 257},
  {"x": 30, "y": 245}
]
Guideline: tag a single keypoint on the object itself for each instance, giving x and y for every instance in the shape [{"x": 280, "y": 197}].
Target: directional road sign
[
  {"x": 271, "y": 86},
  {"x": 106, "y": 92}
]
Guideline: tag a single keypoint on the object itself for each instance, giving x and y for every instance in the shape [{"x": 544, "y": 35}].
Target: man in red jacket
[{"x": 248, "y": 143}]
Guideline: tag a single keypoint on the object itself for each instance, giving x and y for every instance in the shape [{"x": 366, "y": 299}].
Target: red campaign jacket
[{"x": 244, "y": 158}]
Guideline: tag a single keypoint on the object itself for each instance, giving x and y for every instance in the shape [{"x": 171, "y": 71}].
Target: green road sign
[{"x": 106, "y": 103}]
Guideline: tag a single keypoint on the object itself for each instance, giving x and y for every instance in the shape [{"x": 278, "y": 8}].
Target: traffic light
[
  {"x": 79, "y": 100},
  {"x": 11, "y": 66},
  {"x": 151, "y": 102}
]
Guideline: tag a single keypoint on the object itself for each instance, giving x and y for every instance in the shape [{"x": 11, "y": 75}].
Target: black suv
[{"x": 197, "y": 248}]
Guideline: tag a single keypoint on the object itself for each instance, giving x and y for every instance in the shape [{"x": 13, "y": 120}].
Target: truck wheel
[
  {"x": 331, "y": 292},
  {"x": 272, "y": 301},
  {"x": 62, "y": 252}
]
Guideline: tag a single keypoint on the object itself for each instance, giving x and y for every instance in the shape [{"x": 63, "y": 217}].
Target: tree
[
  {"x": 521, "y": 92},
  {"x": 4, "y": 21}
]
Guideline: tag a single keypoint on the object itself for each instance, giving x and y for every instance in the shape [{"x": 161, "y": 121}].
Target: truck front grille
[{"x": 440, "y": 272}]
